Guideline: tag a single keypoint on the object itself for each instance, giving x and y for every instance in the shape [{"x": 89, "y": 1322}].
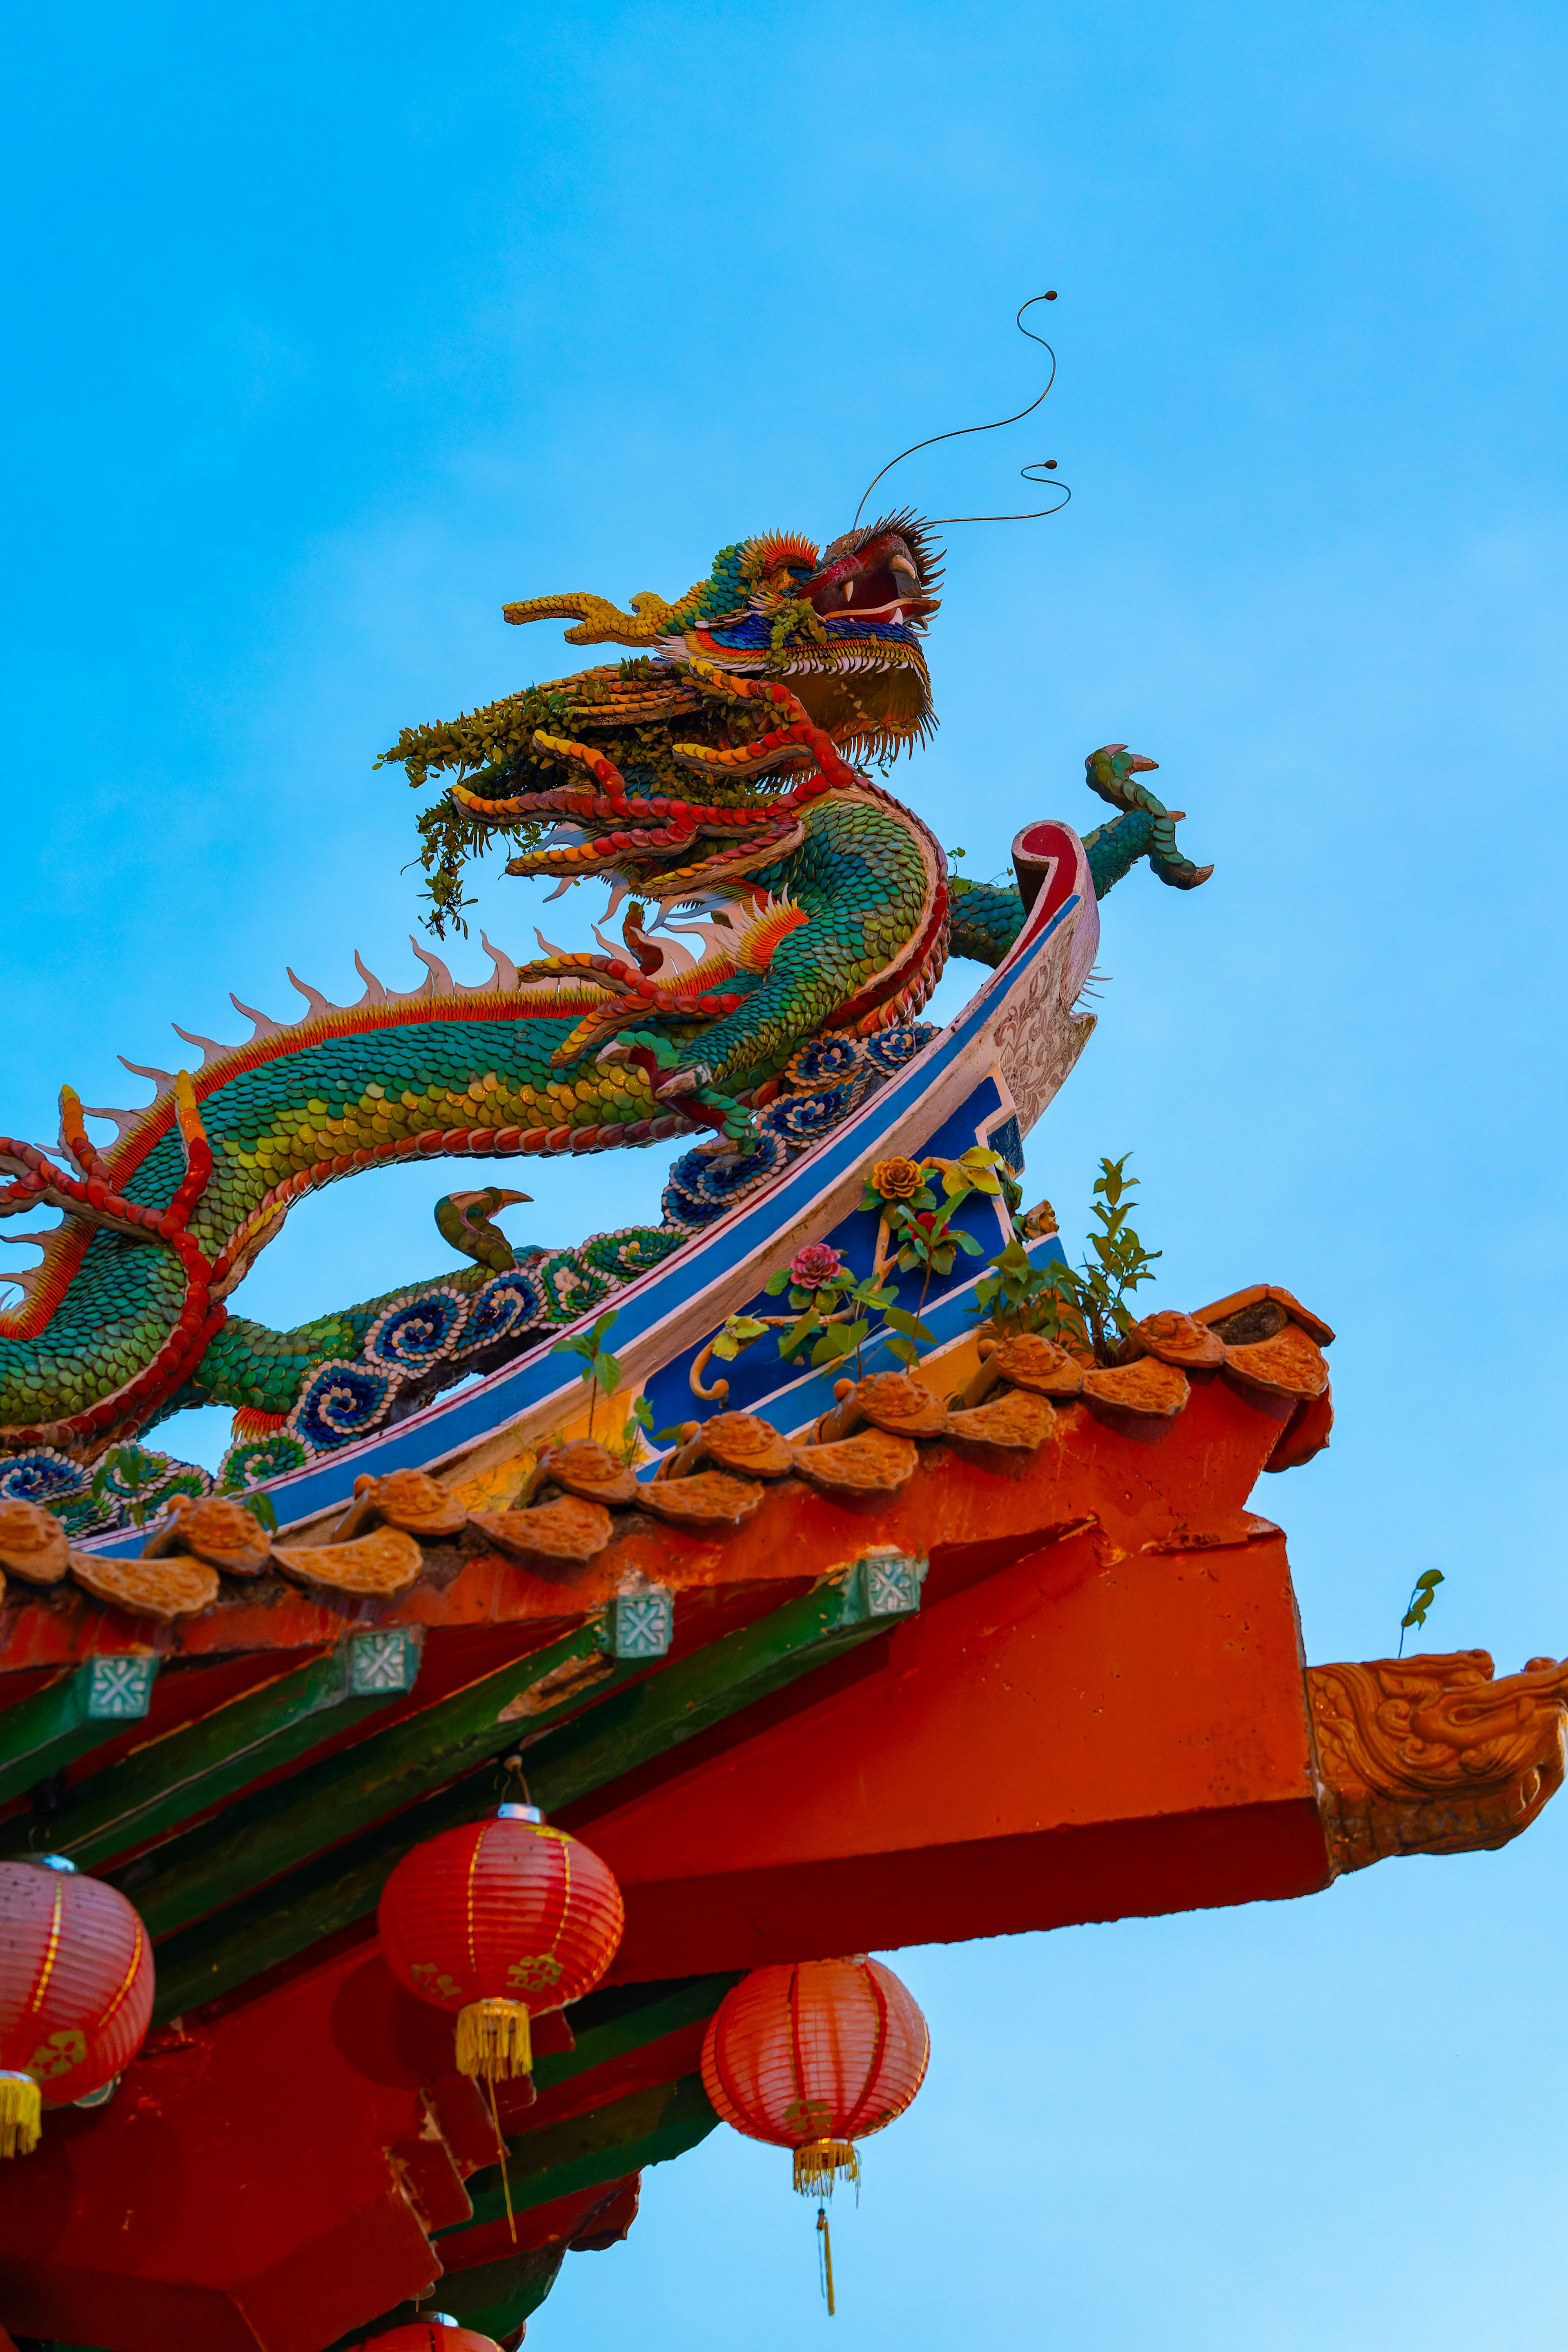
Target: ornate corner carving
[
  {"x": 1431, "y": 1755},
  {"x": 1039, "y": 1036}
]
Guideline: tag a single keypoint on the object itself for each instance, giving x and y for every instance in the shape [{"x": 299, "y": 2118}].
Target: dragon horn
[{"x": 600, "y": 623}]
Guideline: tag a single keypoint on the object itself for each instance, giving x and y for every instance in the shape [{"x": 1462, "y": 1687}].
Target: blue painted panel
[
  {"x": 810, "y": 1394},
  {"x": 756, "y": 1373},
  {"x": 1005, "y": 1139}
]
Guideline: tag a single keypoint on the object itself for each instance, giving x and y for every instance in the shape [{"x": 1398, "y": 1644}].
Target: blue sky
[{"x": 332, "y": 328}]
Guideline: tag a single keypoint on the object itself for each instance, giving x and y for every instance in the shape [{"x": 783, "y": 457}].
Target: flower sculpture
[
  {"x": 814, "y": 1266},
  {"x": 898, "y": 1180}
]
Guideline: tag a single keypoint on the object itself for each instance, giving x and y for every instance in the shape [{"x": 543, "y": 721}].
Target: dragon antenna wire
[{"x": 1028, "y": 472}]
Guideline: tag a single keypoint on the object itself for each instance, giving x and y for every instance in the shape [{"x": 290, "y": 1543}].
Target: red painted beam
[
  {"x": 1087, "y": 1734},
  {"x": 269, "y": 2180},
  {"x": 600, "y": 2210},
  {"x": 237, "y": 2196}
]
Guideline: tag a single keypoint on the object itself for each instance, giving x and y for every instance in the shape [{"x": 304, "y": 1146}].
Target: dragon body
[{"x": 712, "y": 776}]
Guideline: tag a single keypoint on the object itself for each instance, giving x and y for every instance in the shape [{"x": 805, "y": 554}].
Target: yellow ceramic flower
[{"x": 898, "y": 1180}]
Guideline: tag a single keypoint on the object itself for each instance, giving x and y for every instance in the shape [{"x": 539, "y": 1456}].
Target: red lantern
[
  {"x": 437, "y": 2334},
  {"x": 497, "y": 1920},
  {"x": 76, "y": 1991},
  {"x": 813, "y": 2058}
]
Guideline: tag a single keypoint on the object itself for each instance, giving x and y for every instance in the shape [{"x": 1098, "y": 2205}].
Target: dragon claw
[
  {"x": 1146, "y": 828},
  {"x": 687, "y": 1081},
  {"x": 1108, "y": 769}
]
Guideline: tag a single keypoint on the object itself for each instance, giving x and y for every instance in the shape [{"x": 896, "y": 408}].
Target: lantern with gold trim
[
  {"x": 811, "y": 2058},
  {"x": 76, "y": 1992},
  {"x": 499, "y": 1921}
]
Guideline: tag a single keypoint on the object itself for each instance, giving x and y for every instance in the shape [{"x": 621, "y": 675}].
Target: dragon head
[
  {"x": 682, "y": 768},
  {"x": 842, "y": 626}
]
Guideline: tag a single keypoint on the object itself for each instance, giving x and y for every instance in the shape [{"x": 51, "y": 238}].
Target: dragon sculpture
[{"x": 718, "y": 772}]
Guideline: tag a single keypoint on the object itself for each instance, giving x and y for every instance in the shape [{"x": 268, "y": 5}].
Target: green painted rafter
[
  {"x": 282, "y": 1893},
  {"x": 499, "y": 2297},
  {"x": 646, "y": 2127},
  {"x": 156, "y": 1789},
  {"x": 623, "y": 2018},
  {"x": 265, "y": 1833},
  {"x": 40, "y": 1735},
  {"x": 495, "y": 2297}
]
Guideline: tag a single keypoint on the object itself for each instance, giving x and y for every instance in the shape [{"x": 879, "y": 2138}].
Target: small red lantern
[
  {"x": 497, "y": 1920},
  {"x": 439, "y": 2333},
  {"x": 76, "y": 1991},
  {"x": 813, "y": 2058}
]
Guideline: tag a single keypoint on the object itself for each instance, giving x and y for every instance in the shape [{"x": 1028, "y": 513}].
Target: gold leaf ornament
[
  {"x": 32, "y": 1543},
  {"x": 165, "y": 1590},
  {"x": 372, "y": 1566}
]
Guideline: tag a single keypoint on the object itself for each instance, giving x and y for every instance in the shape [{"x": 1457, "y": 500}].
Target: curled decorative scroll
[{"x": 1431, "y": 1755}]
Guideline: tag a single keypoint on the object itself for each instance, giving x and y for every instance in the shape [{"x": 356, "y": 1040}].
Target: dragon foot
[{"x": 1146, "y": 828}]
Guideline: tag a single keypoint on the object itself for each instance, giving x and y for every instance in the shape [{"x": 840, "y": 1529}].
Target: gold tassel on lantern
[
  {"x": 825, "y": 2252},
  {"x": 820, "y": 2162},
  {"x": 21, "y": 2115},
  {"x": 493, "y": 2040}
]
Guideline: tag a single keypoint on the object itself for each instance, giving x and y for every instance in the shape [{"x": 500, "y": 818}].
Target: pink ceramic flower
[{"x": 815, "y": 1264}]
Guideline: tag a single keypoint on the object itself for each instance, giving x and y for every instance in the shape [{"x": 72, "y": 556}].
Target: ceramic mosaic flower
[
  {"x": 815, "y": 1264},
  {"x": 898, "y": 1180}
]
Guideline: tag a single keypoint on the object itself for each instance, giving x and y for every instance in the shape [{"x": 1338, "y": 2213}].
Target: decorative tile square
[
  {"x": 118, "y": 1690},
  {"x": 893, "y": 1581},
  {"x": 1005, "y": 1138},
  {"x": 641, "y": 1624},
  {"x": 382, "y": 1663}
]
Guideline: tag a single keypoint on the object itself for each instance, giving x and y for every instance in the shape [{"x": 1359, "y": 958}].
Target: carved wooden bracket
[{"x": 1430, "y": 1755}]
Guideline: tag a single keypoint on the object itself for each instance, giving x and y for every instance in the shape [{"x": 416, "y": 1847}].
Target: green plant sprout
[
  {"x": 126, "y": 1475},
  {"x": 601, "y": 1372},
  {"x": 1421, "y": 1599},
  {"x": 639, "y": 1424},
  {"x": 598, "y": 1368},
  {"x": 1083, "y": 1306}
]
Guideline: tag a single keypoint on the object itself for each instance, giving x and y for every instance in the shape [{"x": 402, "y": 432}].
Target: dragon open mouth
[{"x": 871, "y": 576}]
